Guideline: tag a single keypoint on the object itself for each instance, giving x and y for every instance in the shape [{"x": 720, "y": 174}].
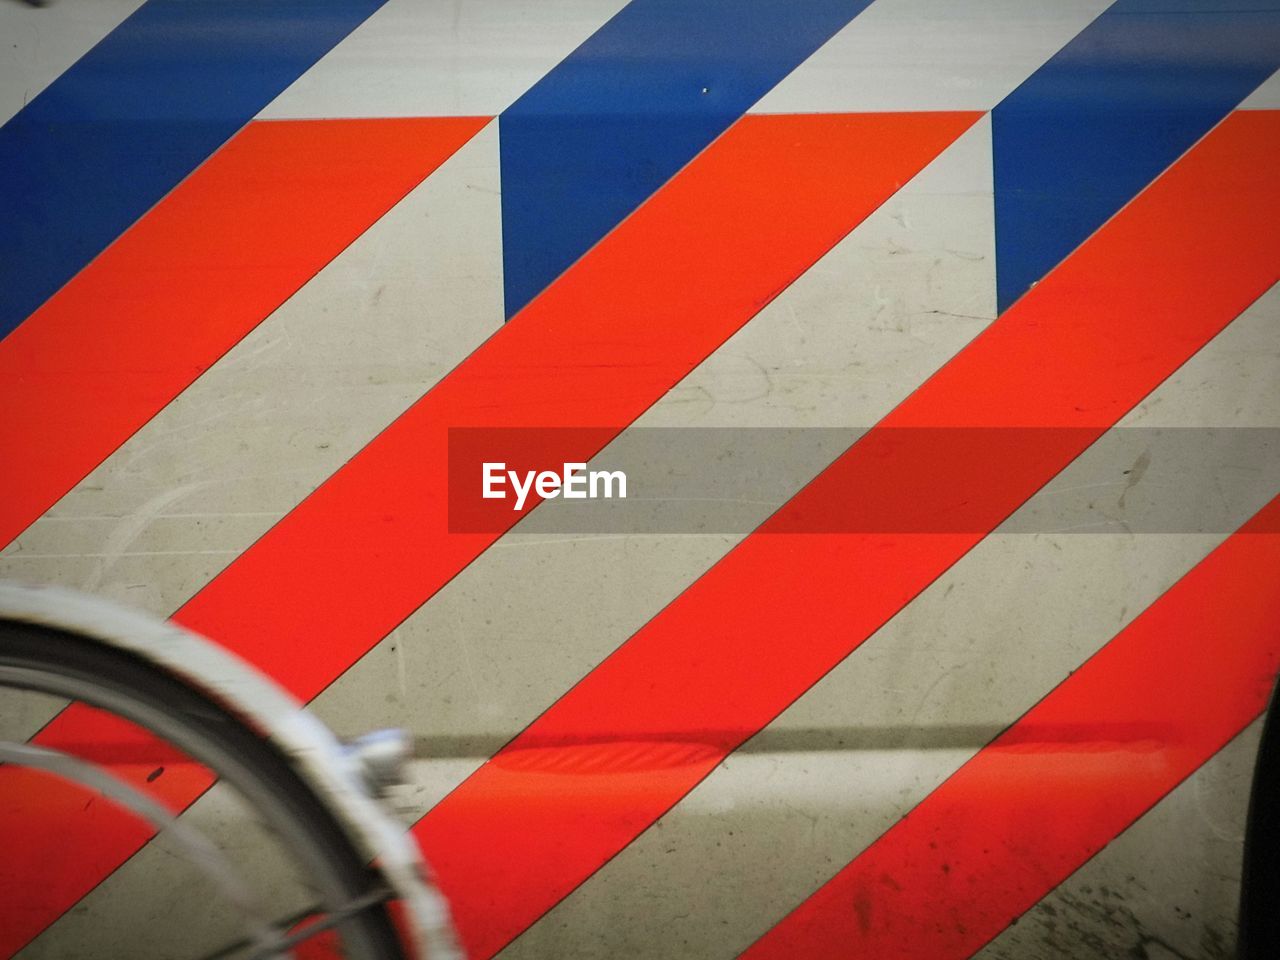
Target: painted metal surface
[
  {"x": 126, "y": 122},
  {"x": 222, "y": 250},
  {"x": 628, "y": 108},
  {"x": 1055, "y": 787},
  {"x": 1119, "y": 103},
  {"x": 851, "y": 305},
  {"x": 1041, "y": 364},
  {"x": 883, "y": 729}
]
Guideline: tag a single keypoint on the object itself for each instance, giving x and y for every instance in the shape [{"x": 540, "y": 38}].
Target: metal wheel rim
[{"x": 264, "y": 801}]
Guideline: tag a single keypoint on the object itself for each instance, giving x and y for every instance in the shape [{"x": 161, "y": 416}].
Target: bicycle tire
[{"x": 80, "y": 668}]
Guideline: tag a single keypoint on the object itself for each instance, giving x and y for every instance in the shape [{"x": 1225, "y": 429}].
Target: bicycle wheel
[{"x": 180, "y": 698}]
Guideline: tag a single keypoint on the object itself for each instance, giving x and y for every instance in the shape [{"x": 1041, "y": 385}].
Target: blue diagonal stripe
[
  {"x": 634, "y": 103},
  {"x": 1111, "y": 111},
  {"x": 137, "y": 113}
]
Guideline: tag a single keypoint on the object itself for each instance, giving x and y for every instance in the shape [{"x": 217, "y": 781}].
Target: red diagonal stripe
[
  {"x": 184, "y": 284},
  {"x": 613, "y": 334},
  {"x": 617, "y": 331},
  {"x": 1152, "y": 287},
  {"x": 1055, "y": 788}
]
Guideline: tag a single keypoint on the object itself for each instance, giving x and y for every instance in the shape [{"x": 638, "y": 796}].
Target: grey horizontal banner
[{"x": 902, "y": 480}]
